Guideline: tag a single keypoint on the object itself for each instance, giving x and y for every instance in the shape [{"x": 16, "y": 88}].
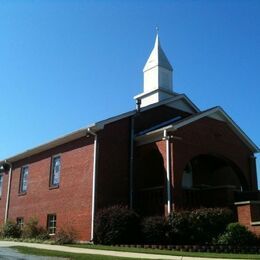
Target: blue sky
[{"x": 66, "y": 64}]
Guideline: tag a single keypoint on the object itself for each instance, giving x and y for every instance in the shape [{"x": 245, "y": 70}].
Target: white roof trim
[
  {"x": 207, "y": 113},
  {"x": 173, "y": 99},
  {"x": 54, "y": 143},
  {"x": 94, "y": 127}
]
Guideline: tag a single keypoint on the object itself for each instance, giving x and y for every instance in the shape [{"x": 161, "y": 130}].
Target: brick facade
[
  {"x": 72, "y": 200},
  {"x": 209, "y": 136},
  {"x": 249, "y": 215}
]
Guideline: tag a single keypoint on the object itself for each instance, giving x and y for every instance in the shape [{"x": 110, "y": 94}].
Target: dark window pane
[
  {"x": 24, "y": 179},
  {"x": 56, "y": 171}
]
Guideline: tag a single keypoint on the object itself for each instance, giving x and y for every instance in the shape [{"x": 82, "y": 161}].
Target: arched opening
[
  {"x": 149, "y": 181},
  {"x": 210, "y": 181}
]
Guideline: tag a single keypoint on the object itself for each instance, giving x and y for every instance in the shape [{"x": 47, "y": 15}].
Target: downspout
[
  {"x": 8, "y": 191},
  {"x": 131, "y": 163},
  {"x": 132, "y": 135},
  {"x": 93, "y": 181},
  {"x": 167, "y": 138}
]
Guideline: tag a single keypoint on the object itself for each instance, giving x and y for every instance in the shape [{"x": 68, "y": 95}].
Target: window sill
[
  {"x": 54, "y": 187},
  {"x": 22, "y": 193}
]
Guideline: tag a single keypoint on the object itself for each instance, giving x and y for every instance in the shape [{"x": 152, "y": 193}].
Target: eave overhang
[
  {"x": 216, "y": 113},
  {"x": 98, "y": 126}
]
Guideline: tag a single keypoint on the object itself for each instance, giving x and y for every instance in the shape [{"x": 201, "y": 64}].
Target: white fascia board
[
  {"x": 104, "y": 122},
  {"x": 207, "y": 113},
  {"x": 191, "y": 103},
  {"x": 239, "y": 131},
  {"x": 94, "y": 127},
  {"x": 194, "y": 118},
  {"x": 149, "y": 138},
  {"x": 173, "y": 99},
  {"x": 54, "y": 143},
  {"x": 66, "y": 138}
]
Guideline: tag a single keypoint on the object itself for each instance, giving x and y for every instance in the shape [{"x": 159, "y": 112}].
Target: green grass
[
  {"x": 168, "y": 252},
  {"x": 43, "y": 252}
]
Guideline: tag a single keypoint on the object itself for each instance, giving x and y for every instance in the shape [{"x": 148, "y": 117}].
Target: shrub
[
  {"x": 198, "y": 226},
  {"x": 64, "y": 237},
  {"x": 11, "y": 229},
  {"x": 238, "y": 235},
  {"x": 33, "y": 230},
  {"x": 209, "y": 223},
  {"x": 116, "y": 225},
  {"x": 154, "y": 230},
  {"x": 179, "y": 227},
  {"x": 42, "y": 234}
]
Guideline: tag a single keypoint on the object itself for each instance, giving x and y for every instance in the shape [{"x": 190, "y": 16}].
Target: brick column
[{"x": 248, "y": 213}]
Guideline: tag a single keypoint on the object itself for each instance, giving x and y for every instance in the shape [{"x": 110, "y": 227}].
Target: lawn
[
  {"x": 168, "y": 252},
  {"x": 43, "y": 252}
]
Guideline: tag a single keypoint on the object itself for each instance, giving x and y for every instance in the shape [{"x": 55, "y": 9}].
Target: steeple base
[{"x": 154, "y": 96}]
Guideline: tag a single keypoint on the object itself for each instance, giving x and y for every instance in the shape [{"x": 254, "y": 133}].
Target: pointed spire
[
  {"x": 157, "y": 77},
  {"x": 157, "y": 56}
]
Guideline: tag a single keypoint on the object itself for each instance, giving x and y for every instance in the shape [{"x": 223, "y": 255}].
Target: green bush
[
  {"x": 64, "y": 237},
  {"x": 209, "y": 223},
  {"x": 198, "y": 226},
  {"x": 32, "y": 229},
  {"x": 42, "y": 234},
  {"x": 154, "y": 230},
  {"x": 179, "y": 227},
  {"x": 237, "y": 235},
  {"x": 11, "y": 229},
  {"x": 116, "y": 225}
]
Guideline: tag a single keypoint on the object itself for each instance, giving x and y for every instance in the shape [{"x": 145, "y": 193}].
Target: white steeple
[{"x": 157, "y": 77}]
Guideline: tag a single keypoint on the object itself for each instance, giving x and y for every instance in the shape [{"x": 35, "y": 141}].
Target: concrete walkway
[{"x": 100, "y": 252}]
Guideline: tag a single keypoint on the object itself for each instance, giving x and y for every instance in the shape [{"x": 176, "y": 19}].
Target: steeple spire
[
  {"x": 157, "y": 76},
  {"x": 157, "y": 57}
]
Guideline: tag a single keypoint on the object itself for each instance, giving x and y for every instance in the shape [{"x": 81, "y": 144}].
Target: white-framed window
[
  {"x": 55, "y": 171},
  {"x": 20, "y": 222},
  {"x": 51, "y": 223},
  {"x": 24, "y": 179},
  {"x": 1, "y": 184}
]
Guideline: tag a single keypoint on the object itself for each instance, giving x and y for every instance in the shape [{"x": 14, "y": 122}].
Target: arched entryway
[{"x": 211, "y": 180}]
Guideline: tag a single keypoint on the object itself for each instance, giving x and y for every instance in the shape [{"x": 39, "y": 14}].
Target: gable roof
[
  {"x": 215, "y": 112},
  {"x": 95, "y": 127}
]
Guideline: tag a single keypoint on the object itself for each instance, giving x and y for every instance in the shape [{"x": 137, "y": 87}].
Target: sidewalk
[{"x": 100, "y": 252}]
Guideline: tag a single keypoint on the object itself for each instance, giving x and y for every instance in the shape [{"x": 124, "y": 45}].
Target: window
[
  {"x": 51, "y": 224},
  {"x": 55, "y": 171},
  {"x": 1, "y": 184},
  {"x": 20, "y": 222},
  {"x": 24, "y": 179}
]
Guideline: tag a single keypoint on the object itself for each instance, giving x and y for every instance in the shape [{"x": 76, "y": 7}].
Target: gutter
[
  {"x": 8, "y": 191},
  {"x": 132, "y": 136},
  {"x": 131, "y": 163},
  {"x": 95, "y": 155}
]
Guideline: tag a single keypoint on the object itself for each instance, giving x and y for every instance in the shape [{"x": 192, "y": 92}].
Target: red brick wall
[
  {"x": 112, "y": 186},
  {"x": 71, "y": 202},
  {"x": 244, "y": 214},
  {"x": 208, "y": 136},
  {"x": 249, "y": 213}
]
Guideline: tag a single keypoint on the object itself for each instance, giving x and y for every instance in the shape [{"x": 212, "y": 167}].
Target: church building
[{"x": 165, "y": 155}]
